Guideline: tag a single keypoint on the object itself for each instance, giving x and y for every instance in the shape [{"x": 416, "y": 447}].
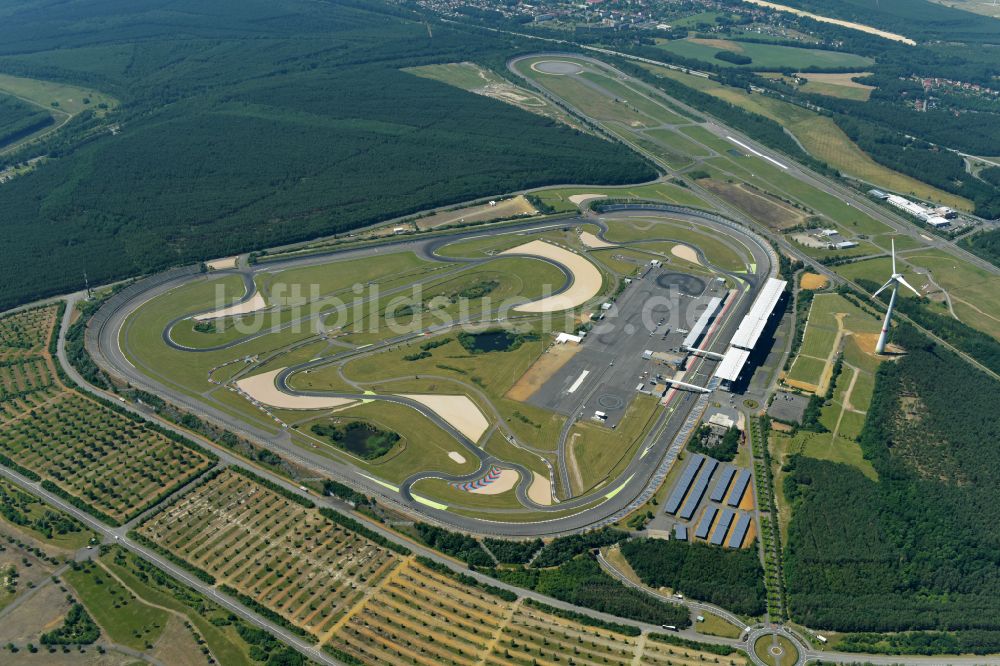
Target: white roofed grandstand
[
  {"x": 732, "y": 364},
  {"x": 699, "y": 328},
  {"x": 756, "y": 320}
]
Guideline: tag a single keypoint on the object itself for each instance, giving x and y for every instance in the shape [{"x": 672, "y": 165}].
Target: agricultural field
[
  {"x": 763, "y": 56},
  {"x": 282, "y": 555},
  {"x": 114, "y": 463},
  {"x": 840, "y": 85},
  {"x": 420, "y": 615},
  {"x": 33, "y": 520}
]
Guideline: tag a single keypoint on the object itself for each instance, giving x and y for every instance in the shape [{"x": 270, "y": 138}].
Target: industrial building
[{"x": 700, "y": 326}]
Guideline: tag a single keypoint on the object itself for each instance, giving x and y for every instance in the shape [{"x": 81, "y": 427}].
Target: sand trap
[
  {"x": 457, "y": 457},
  {"x": 246, "y": 307},
  {"x": 504, "y": 481},
  {"x": 580, "y": 199},
  {"x": 592, "y": 241},
  {"x": 222, "y": 264},
  {"x": 540, "y": 491},
  {"x": 586, "y": 278},
  {"x": 686, "y": 253},
  {"x": 457, "y": 410},
  {"x": 262, "y": 389}
]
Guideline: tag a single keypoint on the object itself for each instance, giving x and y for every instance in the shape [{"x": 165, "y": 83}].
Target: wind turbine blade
[
  {"x": 907, "y": 285},
  {"x": 893, "y": 241},
  {"x": 882, "y": 288}
]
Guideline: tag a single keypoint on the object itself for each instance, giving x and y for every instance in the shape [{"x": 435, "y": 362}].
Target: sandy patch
[
  {"x": 805, "y": 386},
  {"x": 506, "y": 480},
  {"x": 781, "y": 427},
  {"x": 457, "y": 457},
  {"x": 540, "y": 490},
  {"x": 586, "y": 278},
  {"x": 457, "y": 410},
  {"x": 825, "y": 19},
  {"x": 579, "y": 199},
  {"x": 814, "y": 281},
  {"x": 262, "y": 389},
  {"x": 746, "y": 503},
  {"x": 592, "y": 241},
  {"x": 222, "y": 264},
  {"x": 686, "y": 253},
  {"x": 842, "y": 79},
  {"x": 506, "y": 208},
  {"x": 246, "y": 307},
  {"x": 541, "y": 370}
]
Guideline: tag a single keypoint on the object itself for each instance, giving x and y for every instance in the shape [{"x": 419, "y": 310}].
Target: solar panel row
[
  {"x": 683, "y": 483},
  {"x": 698, "y": 490},
  {"x": 740, "y": 531},
  {"x": 719, "y": 492},
  {"x": 722, "y": 527},
  {"x": 701, "y": 531},
  {"x": 739, "y": 487},
  {"x": 680, "y": 532}
]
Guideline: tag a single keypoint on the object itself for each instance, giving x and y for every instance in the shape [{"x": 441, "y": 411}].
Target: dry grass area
[
  {"x": 761, "y": 207},
  {"x": 286, "y": 557},
  {"x": 548, "y": 364},
  {"x": 813, "y": 281},
  {"x": 482, "y": 213}
]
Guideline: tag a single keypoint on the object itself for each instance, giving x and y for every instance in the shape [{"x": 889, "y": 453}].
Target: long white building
[{"x": 748, "y": 334}]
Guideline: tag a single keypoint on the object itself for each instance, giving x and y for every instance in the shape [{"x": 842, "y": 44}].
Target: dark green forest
[
  {"x": 733, "y": 579},
  {"x": 986, "y": 244},
  {"x": 19, "y": 119},
  {"x": 918, "y": 549},
  {"x": 247, "y": 123}
]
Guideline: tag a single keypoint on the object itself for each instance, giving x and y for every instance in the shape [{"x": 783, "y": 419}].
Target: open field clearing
[
  {"x": 760, "y": 206},
  {"x": 423, "y": 444},
  {"x": 764, "y": 56},
  {"x": 587, "y": 279},
  {"x": 814, "y": 281},
  {"x": 599, "y": 452},
  {"x": 972, "y": 290},
  {"x": 67, "y": 98},
  {"x": 820, "y": 136},
  {"x": 470, "y": 76},
  {"x": 505, "y": 208},
  {"x": 282, "y": 555},
  {"x": 833, "y": 85},
  {"x": 114, "y": 463}
]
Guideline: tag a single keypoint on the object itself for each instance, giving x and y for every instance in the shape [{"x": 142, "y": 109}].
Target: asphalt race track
[{"x": 630, "y": 489}]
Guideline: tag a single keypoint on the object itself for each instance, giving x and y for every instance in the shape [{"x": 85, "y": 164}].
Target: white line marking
[
  {"x": 758, "y": 154},
  {"x": 579, "y": 380}
]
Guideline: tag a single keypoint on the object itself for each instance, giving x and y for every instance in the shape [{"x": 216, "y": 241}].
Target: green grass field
[
  {"x": 52, "y": 95},
  {"x": 719, "y": 252},
  {"x": 558, "y": 198},
  {"x": 465, "y": 75},
  {"x": 764, "y": 56},
  {"x": 601, "y": 453},
  {"x": 444, "y": 492},
  {"x": 678, "y": 142},
  {"x": 972, "y": 290},
  {"x": 125, "y": 618}
]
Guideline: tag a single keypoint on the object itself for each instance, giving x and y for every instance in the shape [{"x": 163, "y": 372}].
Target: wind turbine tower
[{"x": 894, "y": 281}]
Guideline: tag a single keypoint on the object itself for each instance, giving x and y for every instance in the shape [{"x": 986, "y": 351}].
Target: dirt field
[
  {"x": 763, "y": 208},
  {"x": 253, "y": 305},
  {"x": 221, "y": 264},
  {"x": 814, "y": 281},
  {"x": 458, "y": 410},
  {"x": 262, "y": 389},
  {"x": 843, "y": 79},
  {"x": 482, "y": 213},
  {"x": 587, "y": 279},
  {"x": 549, "y": 363}
]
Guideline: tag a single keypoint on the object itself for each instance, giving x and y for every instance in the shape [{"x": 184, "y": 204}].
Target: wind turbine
[{"x": 895, "y": 280}]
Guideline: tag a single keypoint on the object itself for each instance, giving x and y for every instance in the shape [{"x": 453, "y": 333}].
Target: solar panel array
[
  {"x": 701, "y": 531},
  {"x": 680, "y": 532},
  {"x": 739, "y": 487},
  {"x": 740, "y": 531},
  {"x": 698, "y": 489},
  {"x": 722, "y": 527},
  {"x": 719, "y": 492},
  {"x": 683, "y": 483}
]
